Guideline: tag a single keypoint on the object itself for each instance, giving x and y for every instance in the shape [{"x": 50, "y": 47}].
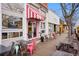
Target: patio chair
[
  {"x": 34, "y": 44},
  {"x": 31, "y": 46}
]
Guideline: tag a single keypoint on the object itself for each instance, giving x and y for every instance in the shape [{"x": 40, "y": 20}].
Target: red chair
[
  {"x": 34, "y": 44},
  {"x": 31, "y": 46}
]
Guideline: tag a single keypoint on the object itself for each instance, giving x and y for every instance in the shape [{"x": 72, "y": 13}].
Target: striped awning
[{"x": 33, "y": 13}]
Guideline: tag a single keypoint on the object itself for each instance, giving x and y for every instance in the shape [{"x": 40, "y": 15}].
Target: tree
[{"x": 69, "y": 10}]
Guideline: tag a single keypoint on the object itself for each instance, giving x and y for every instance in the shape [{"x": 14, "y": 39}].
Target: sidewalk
[{"x": 47, "y": 48}]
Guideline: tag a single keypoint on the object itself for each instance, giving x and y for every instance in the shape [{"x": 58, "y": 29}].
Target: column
[
  {"x": 25, "y": 24},
  {"x": 46, "y": 24},
  {"x": 0, "y": 24},
  {"x": 37, "y": 29}
]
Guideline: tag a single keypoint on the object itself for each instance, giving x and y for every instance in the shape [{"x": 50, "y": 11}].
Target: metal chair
[{"x": 32, "y": 46}]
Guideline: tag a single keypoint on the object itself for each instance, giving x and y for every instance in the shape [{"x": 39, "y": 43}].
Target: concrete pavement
[{"x": 47, "y": 48}]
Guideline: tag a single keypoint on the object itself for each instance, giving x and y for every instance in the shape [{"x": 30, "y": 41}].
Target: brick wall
[{"x": 45, "y": 4}]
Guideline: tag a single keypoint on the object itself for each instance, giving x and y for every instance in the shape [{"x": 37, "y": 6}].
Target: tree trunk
[
  {"x": 69, "y": 33},
  {"x": 69, "y": 23}
]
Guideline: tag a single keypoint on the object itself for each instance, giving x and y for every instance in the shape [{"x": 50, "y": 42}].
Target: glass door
[
  {"x": 30, "y": 30},
  {"x": 34, "y": 29}
]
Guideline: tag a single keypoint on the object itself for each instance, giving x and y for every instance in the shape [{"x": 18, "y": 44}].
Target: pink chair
[
  {"x": 34, "y": 44},
  {"x": 31, "y": 47}
]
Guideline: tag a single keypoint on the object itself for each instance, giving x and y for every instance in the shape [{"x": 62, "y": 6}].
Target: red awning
[{"x": 33, "y": 13}]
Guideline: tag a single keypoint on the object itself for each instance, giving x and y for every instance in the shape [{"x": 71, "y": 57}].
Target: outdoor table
[
  {"x": 61, "y": 53},
  {"x": 4, "y": 49}
]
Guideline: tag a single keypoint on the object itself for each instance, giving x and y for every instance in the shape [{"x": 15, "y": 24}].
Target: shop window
[
  {"x": 11, "y": 21},
  {"x": 19, "y": 23},
  {"x": 10, "y": 35},
  {"x": 15, "y": 34},
  {"x": 29, "y": 30},
  {"x": 4, "y": 35},
  {"x": 43, "y": 25},
  {"x": 51, "y": 27},
  {"x": 5, "y": 21}
]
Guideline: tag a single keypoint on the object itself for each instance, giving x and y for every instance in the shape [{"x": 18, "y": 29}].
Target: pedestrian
[{"x": 42, "y": 36}]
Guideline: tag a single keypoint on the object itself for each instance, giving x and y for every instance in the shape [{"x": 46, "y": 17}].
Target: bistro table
[
  {"x": 4, "y": 50},
  {"x": 61, "y": 53}
]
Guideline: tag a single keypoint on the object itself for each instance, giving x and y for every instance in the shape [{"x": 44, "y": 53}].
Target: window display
[
  {"x": 5, "y": 21},
  {"x": 11, "y": 35},
  {"x": 4, "y": 35},
  {"x": 42, "y": 25},
  {"x": 11, "y": 22},
  {"x": 51, "y": 27},
  {"x": 15, "y": 34}
]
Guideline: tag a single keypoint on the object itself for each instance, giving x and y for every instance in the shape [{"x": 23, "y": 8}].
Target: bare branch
[
  {"x": 63, "y": 9},
  {"x": 74, "y": 7}
]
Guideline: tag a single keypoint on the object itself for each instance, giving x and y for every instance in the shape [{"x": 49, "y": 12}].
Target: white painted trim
[
  {"x": 12, "y": 30},
  {"x": 15, "y": 38},
  {"x": 25, "y": 23},
  {"x": 0, "y": 24}
]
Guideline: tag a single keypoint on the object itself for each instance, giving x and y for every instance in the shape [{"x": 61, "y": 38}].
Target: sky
[{"x": 55, "y": 7}]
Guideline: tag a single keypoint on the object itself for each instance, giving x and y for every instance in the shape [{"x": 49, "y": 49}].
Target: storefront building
[
  {"x": 52, "y": 22},
  {"x": 21, "y": 21},
  {"x": 11, "y": 20},
  {"x": 35, "y": 17},
  {"x": 63, "y": 26}
]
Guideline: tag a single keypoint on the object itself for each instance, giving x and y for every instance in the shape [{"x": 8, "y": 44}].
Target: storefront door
[
  {"x": 29, "y": 29},
  {"x": 32, "y": 29},
  {"x": 54, "y": 28}
]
